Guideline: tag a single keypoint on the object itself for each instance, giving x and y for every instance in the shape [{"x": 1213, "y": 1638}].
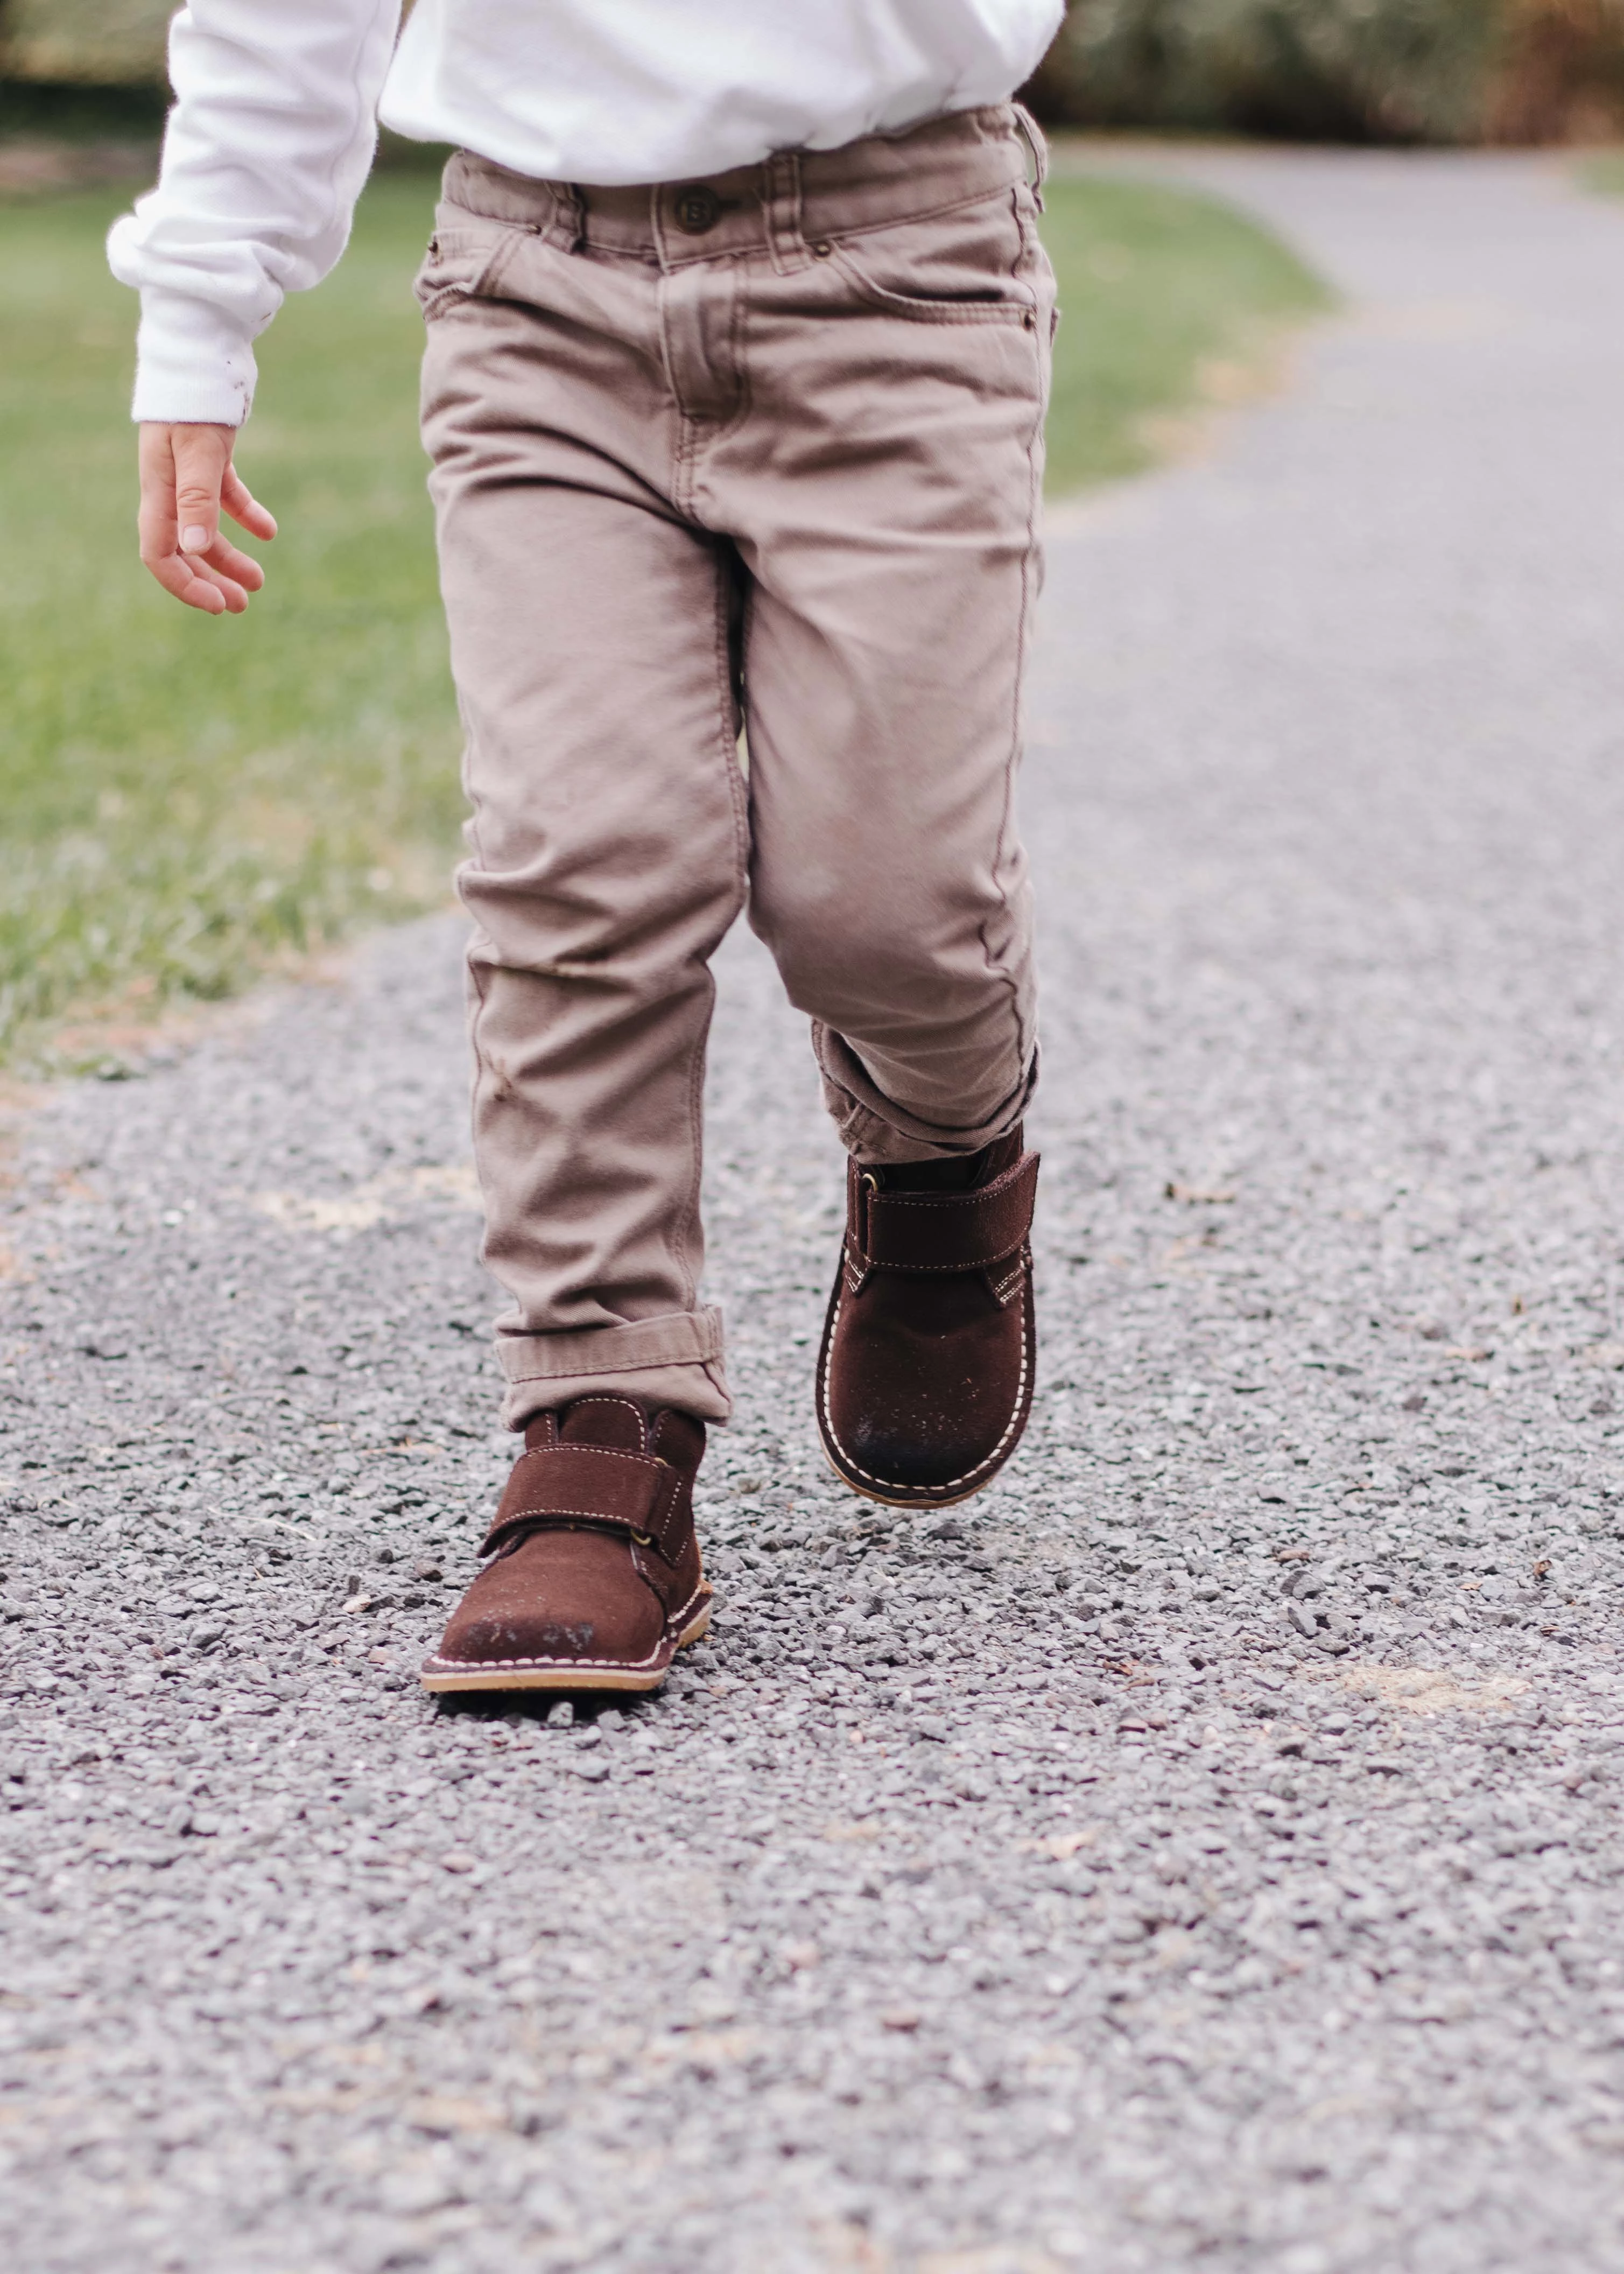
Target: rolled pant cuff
[
  {"x": 675, "y": 1360},
  {"x": 875, "y": 1129}
]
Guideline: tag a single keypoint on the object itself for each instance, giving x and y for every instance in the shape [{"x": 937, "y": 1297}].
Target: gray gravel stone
[{"x": 1204, "y": 1848}]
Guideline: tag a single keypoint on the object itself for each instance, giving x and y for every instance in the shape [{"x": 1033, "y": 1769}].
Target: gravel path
[{"x": 1202, "y": 1849}]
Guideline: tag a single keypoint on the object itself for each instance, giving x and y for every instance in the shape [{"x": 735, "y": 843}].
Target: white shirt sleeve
[{"x": 268, "y": 146}]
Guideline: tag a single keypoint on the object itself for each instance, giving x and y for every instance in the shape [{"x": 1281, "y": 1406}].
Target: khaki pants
[{"x": 764, "y": 450}]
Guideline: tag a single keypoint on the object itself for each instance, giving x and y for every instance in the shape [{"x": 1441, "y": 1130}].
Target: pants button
[{"x": 697, "y": 210}]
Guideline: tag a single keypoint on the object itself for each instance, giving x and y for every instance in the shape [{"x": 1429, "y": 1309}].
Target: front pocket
[
  {"x": 965, "y": 266},
  {"x": 464, "y": 257}
]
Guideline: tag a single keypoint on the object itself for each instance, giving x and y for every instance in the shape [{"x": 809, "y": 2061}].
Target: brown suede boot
[
  {"x": 924, "y": 1381},
  {"x": 594, "y": 1580}
]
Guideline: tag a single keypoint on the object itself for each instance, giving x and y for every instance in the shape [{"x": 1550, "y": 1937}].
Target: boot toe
[
  {"x": 921, "y": 1413},
  {"x": 559, "y": 1599},
  {"x": 912, "y": 1452}
]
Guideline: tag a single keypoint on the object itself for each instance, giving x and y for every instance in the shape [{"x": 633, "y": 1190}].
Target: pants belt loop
[
  {"x": 659, "y": 206},
  {"x": 1032, "y": 134},
  {"x": 784, "y": 240},
  {"x": 572, "y": 216}
]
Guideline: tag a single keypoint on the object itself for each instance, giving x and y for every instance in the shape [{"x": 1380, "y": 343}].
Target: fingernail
[{"x": 194, "y": 540}]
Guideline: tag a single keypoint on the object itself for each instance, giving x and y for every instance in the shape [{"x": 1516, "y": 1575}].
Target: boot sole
[
  {"x": 930, "y": 1500},
  {"x": 574, "y": 1681}
]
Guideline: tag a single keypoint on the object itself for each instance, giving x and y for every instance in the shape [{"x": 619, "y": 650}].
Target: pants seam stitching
[{"x": 1022, "y": 1040}]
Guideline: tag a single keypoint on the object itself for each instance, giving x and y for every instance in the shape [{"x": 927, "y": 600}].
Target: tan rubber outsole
[
  {"x": 551, "y": 1677},
  {"x": 865, "y": 1492}
]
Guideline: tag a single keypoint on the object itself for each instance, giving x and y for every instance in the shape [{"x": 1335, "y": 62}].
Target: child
[{"x": 738, "y": 347}]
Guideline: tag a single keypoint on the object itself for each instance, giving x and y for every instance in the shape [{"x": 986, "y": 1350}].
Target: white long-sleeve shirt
[{"x": 277, "y": 105}]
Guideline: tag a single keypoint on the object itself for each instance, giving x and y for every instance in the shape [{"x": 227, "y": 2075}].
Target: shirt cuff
[{"x": 194, "y": 367}]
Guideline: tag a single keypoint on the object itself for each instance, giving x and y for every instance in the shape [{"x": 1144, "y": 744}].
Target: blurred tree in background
[
  {"x": 1561, "y": 75},
  {"x": 1403, "y": 70},
  {"x": 84, "y": 43}
]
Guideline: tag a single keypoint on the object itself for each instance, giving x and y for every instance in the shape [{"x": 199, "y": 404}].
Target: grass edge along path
[
  {"x": 190, "y": 803},
  {"x": 1173, "y": 303},
  {"x": 1603, "y": 171}
]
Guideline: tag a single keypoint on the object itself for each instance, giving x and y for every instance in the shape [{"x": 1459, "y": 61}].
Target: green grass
[
  {"x": 187, "y": 800},
  {"x": 1605, "y": 172},
  {"x": 1167, "y": 299}
]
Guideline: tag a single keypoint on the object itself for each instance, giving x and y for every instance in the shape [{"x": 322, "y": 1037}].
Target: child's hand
[{"x": 187, "y": 479}]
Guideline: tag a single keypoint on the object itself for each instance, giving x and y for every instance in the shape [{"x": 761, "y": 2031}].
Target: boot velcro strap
[
  {"x": 590, "y": 1483},
  {"x": 945, "y": 1231}
]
